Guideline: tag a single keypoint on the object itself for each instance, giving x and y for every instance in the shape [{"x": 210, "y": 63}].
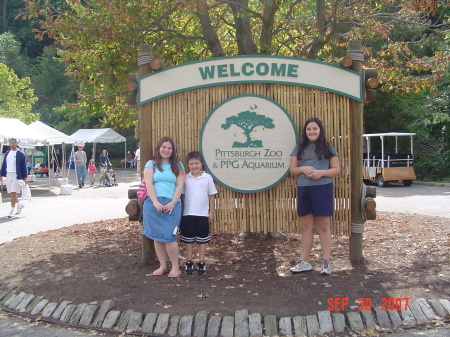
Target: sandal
[
  {"x": 159, "y": 272},
  {"x": 174, "y": 274}
]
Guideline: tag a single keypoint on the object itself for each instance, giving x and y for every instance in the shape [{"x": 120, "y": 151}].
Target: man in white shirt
[
  {"x": 14, "y": 169},
  {"x": 137, "y": 159}
]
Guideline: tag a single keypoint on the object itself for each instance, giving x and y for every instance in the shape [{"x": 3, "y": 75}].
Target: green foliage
[
  {"x": 52, "y": 87},
  {"x": 431, "y": 123},
  {"x": 11, "y": 56},
  {"x": 16, "y": 96},
  {"x": 427, "y": 115},
  {"x": 23, "y": 29},
  {"x": 99, "y": 40}
]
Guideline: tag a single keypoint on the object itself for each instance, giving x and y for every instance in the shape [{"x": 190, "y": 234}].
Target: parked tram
[{"x": 388, "y": 157}]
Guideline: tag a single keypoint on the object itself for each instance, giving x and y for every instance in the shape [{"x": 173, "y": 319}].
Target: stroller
[{"x": 110, "y": 178}]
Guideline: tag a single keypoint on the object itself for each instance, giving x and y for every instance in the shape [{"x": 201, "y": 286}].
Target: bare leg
[
  {"x": 323, "y": 225},
  {"x": 189, "y": 248},
  {"x": 172, "y": 251},
  {"x": 14, "y": 199},
  {"x": 201, "y": 251},
  {"x": 307, "y": 236},
  {"x": 160, "y": 248}
]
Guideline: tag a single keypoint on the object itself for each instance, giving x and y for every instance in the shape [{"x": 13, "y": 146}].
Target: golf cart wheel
[
  {"x": 380, "y": 181},
  {"x": 407, "y": 182}
]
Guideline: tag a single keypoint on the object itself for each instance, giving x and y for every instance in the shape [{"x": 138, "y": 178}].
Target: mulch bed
[{"x": 405, "y": 256}]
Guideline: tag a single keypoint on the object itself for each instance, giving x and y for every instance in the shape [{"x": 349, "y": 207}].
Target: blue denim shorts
[{"x": 316, "y": 200}]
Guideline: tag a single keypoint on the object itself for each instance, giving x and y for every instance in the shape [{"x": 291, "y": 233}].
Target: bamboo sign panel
[{"x": 270, "y": 207}]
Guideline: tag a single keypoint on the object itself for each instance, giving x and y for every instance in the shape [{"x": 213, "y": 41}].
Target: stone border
[{"x": 243, "y": 324}]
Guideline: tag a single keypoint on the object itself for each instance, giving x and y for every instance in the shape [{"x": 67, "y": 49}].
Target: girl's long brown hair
[
  {"x": 322, "y": 146},
  {"x": 173, "y": 160}
]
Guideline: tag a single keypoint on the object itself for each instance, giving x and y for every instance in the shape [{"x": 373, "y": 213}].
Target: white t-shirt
[
  {"x": 196, "y": 194},
  {"x": 11, "y": 161},
  {"x": 137, "y": 155}
]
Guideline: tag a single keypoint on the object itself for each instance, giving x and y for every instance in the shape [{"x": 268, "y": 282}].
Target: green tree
[
  {"x": 52, "y": 87},
  {"x": 16, "y": 96},
  {"x": 431, "y": 123},
  {"x": 248, "y": 121},
  {"x": 11, "y": 56},
  {"x": 102, "y": 50},
  {"x": 22, "y": 29}
]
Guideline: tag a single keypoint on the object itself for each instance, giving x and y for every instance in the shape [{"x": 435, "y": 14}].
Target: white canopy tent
[
  {"x": 14, "y": 128},
  {"x": 53, "y": 137},
  {"x": 95, "y": 136}
]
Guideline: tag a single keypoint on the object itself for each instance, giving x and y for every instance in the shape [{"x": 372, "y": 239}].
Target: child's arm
[{"x": 211, "y": 208}]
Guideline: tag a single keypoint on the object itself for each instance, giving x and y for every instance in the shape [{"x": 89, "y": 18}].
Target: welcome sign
[
  {"x": 250, "y": 69},
  {"x": 246, "y": 142}
]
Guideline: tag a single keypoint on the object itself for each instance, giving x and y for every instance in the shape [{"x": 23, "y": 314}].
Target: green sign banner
[{"x": 250, "y": 69}]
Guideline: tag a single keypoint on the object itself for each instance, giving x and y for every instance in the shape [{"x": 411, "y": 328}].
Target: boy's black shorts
[{"x": 194, "y": 229}]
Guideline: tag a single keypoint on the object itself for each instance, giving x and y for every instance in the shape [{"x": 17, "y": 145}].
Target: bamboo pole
[
  {"x": 356, "y": 122},
  {"x": 146, "y": 144}
]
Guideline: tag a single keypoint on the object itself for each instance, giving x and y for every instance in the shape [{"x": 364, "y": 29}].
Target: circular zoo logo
[{"x": 247, "y": 141}]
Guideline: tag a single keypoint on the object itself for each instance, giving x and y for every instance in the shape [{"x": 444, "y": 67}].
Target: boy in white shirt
[{"x": 198, "y": 211}]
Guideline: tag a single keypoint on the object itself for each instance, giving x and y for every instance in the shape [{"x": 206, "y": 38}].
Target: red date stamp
[{"x": 387, "y": 304}]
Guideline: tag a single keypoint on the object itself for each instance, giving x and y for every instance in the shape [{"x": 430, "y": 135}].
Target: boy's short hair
[{"x": 194, "y": 155}]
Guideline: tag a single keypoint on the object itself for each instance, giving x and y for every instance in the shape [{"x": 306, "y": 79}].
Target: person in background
[
  {"x": 104, "y": 160},
  {"x": 80, "y": 165},
  {"x": 198, "y": 211},
  {"x": 129, "y": 159},
  {"x": 315, "y": 162},
  {"x": 137, "y": 158},
  {"x": 92, "y": 170},
  {"x": 164, "y": 180},
  {"x": 57, "y": 161},
  {"x": 14, "y": 170},
  {"x": 29, "y": 166}
]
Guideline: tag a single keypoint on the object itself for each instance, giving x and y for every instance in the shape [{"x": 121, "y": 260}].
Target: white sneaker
[
  {"x": 19, "y": 208},
  {"x": 11, "y": 213},
  {"x": 301, "y": 266},
  {"x": 326, "y": 267}
]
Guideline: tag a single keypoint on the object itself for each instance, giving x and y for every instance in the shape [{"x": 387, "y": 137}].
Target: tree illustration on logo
[{"x": 248, "y": 121}]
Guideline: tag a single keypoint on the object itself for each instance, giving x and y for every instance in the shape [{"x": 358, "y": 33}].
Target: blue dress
[{"x": 159, "y": 226}]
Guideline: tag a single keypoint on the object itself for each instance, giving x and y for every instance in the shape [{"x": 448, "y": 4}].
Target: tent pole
[
  {"x": 48, "y": 167},
  {"x": 125, "y": 155},
  {"x": 75, "y": 167}
]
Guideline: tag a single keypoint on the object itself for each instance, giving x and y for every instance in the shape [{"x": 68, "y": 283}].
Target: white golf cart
[{"x": 389, "y": 164}]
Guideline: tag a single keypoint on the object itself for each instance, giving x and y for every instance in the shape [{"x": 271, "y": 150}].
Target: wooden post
[
  {"x": 356, "y": 153},
  {"x": 145, "y": 138}
]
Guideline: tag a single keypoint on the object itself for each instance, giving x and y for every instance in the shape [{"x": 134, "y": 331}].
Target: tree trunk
[
  {"x": 4, "y": 16},
  {"x": 208, "y": 30},
  {"x": 244, "y": 38},
  {"x": 265, "y": 41}
]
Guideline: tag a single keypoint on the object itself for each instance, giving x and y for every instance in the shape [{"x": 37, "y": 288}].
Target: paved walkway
[{"x": 50, "y": 210}]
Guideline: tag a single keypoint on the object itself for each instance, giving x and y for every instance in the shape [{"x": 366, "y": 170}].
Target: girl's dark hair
[
  {"x": 173, "y": 160},
  {"x": 322, "y": 146},
  {"x": 194, "y": 155}
]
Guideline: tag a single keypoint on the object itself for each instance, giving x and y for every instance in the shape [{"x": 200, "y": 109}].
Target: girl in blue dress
[{"x": 164, "y": 179}]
